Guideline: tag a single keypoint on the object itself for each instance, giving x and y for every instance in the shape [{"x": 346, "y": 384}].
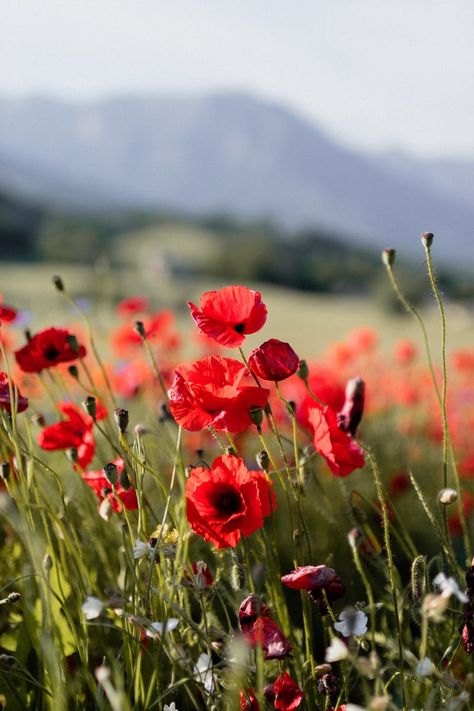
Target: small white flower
[
  {"x": 351, "y": 623},
  {"x": 336, "y": 651},
  {"x": 425, "y": 667},
  {"x": 354, "y": 707},
  {"x": 157, "y": 628},
  {"x": 92, "y": 607},
  {"x": 170, "y": 707},
  {"x": 141, "y": 550},
  {"x": 448, "y": 587},
  {"x": 203, "y": 672}
]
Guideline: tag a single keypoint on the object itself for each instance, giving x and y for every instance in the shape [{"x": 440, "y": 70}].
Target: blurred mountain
[{"x": 230, "y": 153}]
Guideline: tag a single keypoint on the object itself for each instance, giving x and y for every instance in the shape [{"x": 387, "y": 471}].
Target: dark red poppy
[
  {"x": 288, "y": 694},
  {"x": 229, "y": 314},
  {"x": 248, "y": 701},
  {"x": 210, "y": 393},
  {"x": 74, "y": 432},
  {"x": 251, "y": 608},
  {"x": 132, "y": 305},
  {"x": 227, "y": 501},
  {"x": 5, "y": 401},
  {"x": 318, "y": 580},
  {"x": 7, "y": 313},
  {"x": 98, "y": 483},
  {"x": 266, "y": 633},
  {"x": 340, "y": 451},
  {"x": 48, "y": 348},
  {"x": 273, "y": 360}
]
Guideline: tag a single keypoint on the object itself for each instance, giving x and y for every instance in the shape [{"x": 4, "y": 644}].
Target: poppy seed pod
[
  {"x": 427, "y": 239},
  {"x": 256, "y": 415},
  {"x": 111, "y": 473},
  {"x": 121, "y": 419},
  {"x": 73, "y": 371},
  {"x": 274, "y": 360},
  {"x": 58, "y": 282},
  {"x": 140, "y": 329},
  {"x": 90, "y": 406}
]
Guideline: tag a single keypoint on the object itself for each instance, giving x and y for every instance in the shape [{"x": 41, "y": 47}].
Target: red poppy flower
[
  {"x": 274, "y": 360},
  {"x": 228, "y": 315},
  {"x": 288, "y": 694},
  {"x": 7, "y": 313},
  {"x": 48, "y": 348},
  {"x": 248, "y": 701},
  {"x": 209, "y": 392},
  {"x": 132, "y": 305},
  {"x": 317, "y": 580},
  {"x": 266, "y": 633},
  {"x": 98, "y": 483},
  {"x": 250, "y": 609},
  {"x": 5, "y": 402},
  {"x": 76, "y": 431},
  {"x": 227, "y": 501},
  {"x": 341, "y": 453}
]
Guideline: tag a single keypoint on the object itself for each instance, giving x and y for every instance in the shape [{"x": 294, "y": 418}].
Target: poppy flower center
[
  {"x": 228, "y": 501},
  {"x": 51, "y": 353},
  {"x": 239, "y": 328}
]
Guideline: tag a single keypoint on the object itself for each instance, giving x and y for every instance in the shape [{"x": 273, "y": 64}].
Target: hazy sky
[{"x": 378, "y": 74}]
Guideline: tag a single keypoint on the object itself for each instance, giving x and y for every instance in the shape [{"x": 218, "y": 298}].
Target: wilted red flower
[
  {"x": 5, "y": 401},
  {"x": 209, "y": 392},
  {"x": 132, "y": 305},
  {"x": 7, "y": 313},
  {"x": 341, "y": 453},
  {"x": 229, "y": 314},
  {"x": 273, "y": 360},
  {"x": 350, "y": 416},
  {"x": 248, "y": 701},
  {"x": 74, "y": 432},
  {"x": 227, "y": 501},
  {"x": 266, "y": 633},
  {"x": 251, "y": 608},
  {"x": 288, "y": 694},
  {"x": 98, "y": 483},
  {"x": 317, "y": 580},
  {"x": 48, "y": 348}
]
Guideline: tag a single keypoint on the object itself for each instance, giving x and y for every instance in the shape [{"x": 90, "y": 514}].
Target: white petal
[
  {"x": 425, "y": 667},
  {"x": 92, "y": 607},
  {"x": 336, "y": 651}
]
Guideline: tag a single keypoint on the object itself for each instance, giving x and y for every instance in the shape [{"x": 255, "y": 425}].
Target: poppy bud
[
  {"x": 303, "y": 370},
  {"x": 38, "y": 419},
  {"x": 263, "y": 460},
  {"x": 140, "y": 329},
  {"x": 427, "y": 239},
  {"x": 350, "y": 416},
  {"x": 230, "y": 451},
  {"x": 274, "y": 360},
  {"x": 47, "y": 562},
  {"x": 5, "y": 470},
  {"x": 13, "y": 598},
  {"x": 124, "y": 481},
  {"x": 73, "y": 371},
  {"x": 58, "y": 282},
  {"x": 111, "y": 473},
  {"x": 28, "y": 335},
  {"x": 6, "y": 660},
  {"x": 121, "y": 419},
  {"x": 90, "y": 406},
  {"x": 447, "y": 496},
  {"x": 388, "y": 257},
  {"x": 72, "y": 454},
  {"x": 256, "y": 415},
  {"x": 73, "y": 342}
]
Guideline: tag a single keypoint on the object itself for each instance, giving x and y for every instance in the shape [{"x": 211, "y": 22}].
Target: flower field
[{"x": 237, "y": 528}]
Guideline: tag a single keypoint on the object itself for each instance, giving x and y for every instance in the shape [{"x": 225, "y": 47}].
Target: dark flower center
[
  {"x": 239, "y": 328},
  {"x": 51, "y": 353},
  {"x": 228, "y": 502}
]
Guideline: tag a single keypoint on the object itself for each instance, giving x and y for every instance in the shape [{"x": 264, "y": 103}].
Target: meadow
[{"x": 263, "y": 500}]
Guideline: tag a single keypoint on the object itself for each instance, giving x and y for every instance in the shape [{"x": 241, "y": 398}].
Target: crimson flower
[
  {"x": 229, "y": 314},
  {"x": 48, "y": 348},
  {"x": 266, "y": 633},
  {"x": 248, "y": 701},
  {"x": 209, "y": 393},
  {"x": 132, "y": 305},
  {"x": 287, "y": 695},
  {"x": 274, "y": 360},
  {"x": 251, "y": 608},
  {"x": 317, "y": 580},
  {"x": 5, "y": 401},
  {"x": 74, "y": 432},
  {"x": 7, "y": 313},
  {"x": 227, "y": 501},
  {"x": 98, "y": 483},
  {"x": 341, "y": 453}
]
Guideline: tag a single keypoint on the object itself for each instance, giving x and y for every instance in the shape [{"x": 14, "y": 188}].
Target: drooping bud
[
  {"x": 139, "y": 328},
  {"x": 38, "y": 419},
  {"x": 90, "y": 406},
  {"x": 256, "y": 415},
  {"x": 427, "y": 239},
  {"x": 73, "y": 371},
  {"x": 58, "y": 282},
  {"x": 350, "y": 416},
  {"x": 447, "y": 496},
  {"x": 273, "y": 360},
  {"x": 111, "y": 473},
  {"x": 121, "y": 419},
  {"x": 263, "y": 460},
  {"x": 388, "y": 257},
  {"x": 303, "y": 370},
  {"x": 5, "y": 470}
]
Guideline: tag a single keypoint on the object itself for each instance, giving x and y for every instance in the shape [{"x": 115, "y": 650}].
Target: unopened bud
[
  {"x": 256, "y": 415},
  {"x": 263, "y": 460},
  {"x": 303, "y": 370},
  {"x": 5, "y": 470},
  {"x": 47, "y": 562},
  {"x": 140, "y": 329},
  {"x": 230, "y": 451},
  {"x": 291, "y": 407},
  {"x": 121, "y": 419},
  {"x": 90, "y": 406},
  {"x": 447, "y": 496},
  {"x": 73, "y": 342},
  {"x": 38, "y": 419},
  {"x": 73, "y": 371},
  {"x": 140, "y": 430},
  {"x": 111, "y": 473},
  {"x": 13, "y": 598},
  {"x": 6, "y": 660},
  {"x": 322, "y": 669},
  {"x": 427, "y": 239},
  {"x": 355, "y": 538},
  {"x": 58, "y": 282},
  {"x": 124, "y": 480},
  {"x": 72, "y": 454},
  {"x": 388, "y": 257},
  {"x": 28, "y": 335}
]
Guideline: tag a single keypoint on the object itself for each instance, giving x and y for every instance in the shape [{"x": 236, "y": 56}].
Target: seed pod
[
  {"x": 5, "y": 470},
  {"x": 111, "y": 473},
  {"x": 303, "y": 370},
  {"x": 58, "y": 282},
  {"x": 73, "y": 371},
  {"x": 256, "y": 415},
  {"x": 140, "y": 329},
  {"x": 121, "y": 419},
  {"x": 90, "y": 406},
  {"x": 263, "y": 460},
  {"x": 427, "y": 239}
]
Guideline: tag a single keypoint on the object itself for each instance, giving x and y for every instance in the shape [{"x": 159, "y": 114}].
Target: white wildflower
[
  {"x": 425, "y": 667},
  {"x": 336, "y": 651},
  {"x": 141, "y": 550},
  {"x": 92, "y": 607},
  {"x": 170, "y": 707},
  {"x": 158, "y": 628},
  {"x": 203, "y": 672},
  {"x": 448, "y": 587},
  {"x": 351, "y": 623}
]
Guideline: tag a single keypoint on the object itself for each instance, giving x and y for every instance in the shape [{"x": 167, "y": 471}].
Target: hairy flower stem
[{"x": 390, "y": 566}]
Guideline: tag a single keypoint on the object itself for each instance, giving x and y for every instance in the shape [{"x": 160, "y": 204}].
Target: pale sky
[{"x": 377, "y": 74}]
